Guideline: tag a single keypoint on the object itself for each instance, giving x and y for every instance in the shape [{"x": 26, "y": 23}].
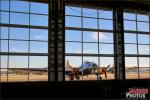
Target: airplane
[{"x": 85, "y": 69}]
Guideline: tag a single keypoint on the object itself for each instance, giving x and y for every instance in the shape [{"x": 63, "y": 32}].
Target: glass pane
[
  {"x": 89, "y": 12},
  {"x": 18, "y": 68},
  {"x": 72, "y": 47},
  {"x": 105, "y": 14},
  {"x": 22, "y": 19},
  {"x": 130, "y": 38},
  {"x": 90, "y": 36},
  {"x": 4, "y": 17},
  {"x": 39, "y": 8},
  {"x": 105, "y": 24},
  {"x": 38, "y": 69},
  {"x": 131, "y": 68},
  {"x": 73, "y": 61},
  {"x": 143, "y": 39},
  {"x": 20, "y": 6},
  {"x": 104, "y": 63},
  {"x": 143, "y": 26},
  {"x": 90, "y": 59},
  {"x": 4, "y": 61},
  {"x": 18, "y": 46},
  {"x": 73, "y": 21},
  {"x": 105, "y": 37},
  {"x": 129, "y": 16},
  {"x": 4, "y": 4},
  {"x": 106, "y": 48},
  {"x": 130, "y": 49},
  {"x": 142, "y": 17},
  {"x": 19, "y": 33},
  {"x": 90, "y": 23},
  {"x": 144, "y": 67},
  {"x": 71, "y": 35},
  {"x": 4, "y": 32},
  {"x": 3, "y": 75},
  {"x": 39, "y": 34},
  {"x": 69, "y": 10},
  {"x": 4, "y": 46},
  {"x": 39, "y": 20},
  {"x": 130, "y": 25},
  {"x": 18, "y": 62},
  {"x": 39, "y": 47},
  {"x": 90, "y": 48},
  {"x": 144, "y": 49}
]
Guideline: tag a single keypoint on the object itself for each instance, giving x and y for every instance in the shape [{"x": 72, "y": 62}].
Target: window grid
[
  {"x": 28, "y": 54},
  {"x": 138, "y": 55},
  {"x": 83, "y": 29}
]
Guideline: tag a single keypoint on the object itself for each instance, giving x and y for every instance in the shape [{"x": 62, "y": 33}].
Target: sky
[{"x": 39, "y": 37}]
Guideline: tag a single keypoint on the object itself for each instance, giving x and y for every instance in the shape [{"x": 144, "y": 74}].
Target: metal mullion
[
  {"x": 25, "y": 40},
  {"x": 24, "y": 26},
  {"x": 88, "y": 29},
  {"x": 98, "y": 37},
  {"x": 95, "y": 55},
  {"x": 137, "y": 46},
  {"x": 8, "y": 41},
  {"x": 82, "y": 38}
]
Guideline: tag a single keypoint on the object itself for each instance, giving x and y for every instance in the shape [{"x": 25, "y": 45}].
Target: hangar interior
[{"x": 70, "y": 44}]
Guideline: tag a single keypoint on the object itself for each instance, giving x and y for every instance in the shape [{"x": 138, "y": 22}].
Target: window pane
[
  {"x": 130, "y": 38},
  {"x": 106, "y": 48},
  {"x": 4, "y": 32},
  {"x": 144, "y": 67},
  {"x": 4, "y": 4},
  {"x": 72, "y": 10},
  {"x": 144, "y": 49},
  {"x": 18, "y": 46},
  {"x": 89, "y": 12},
  {"x": 104, "y": 62},
  {"x": 4, "y": 46},
  {"x": 129, "y": 16},
  {"x": 38, "y": 62},
  {"x": 4, "y": 60},
  {"x": 105, "y": 24},
  {"x": 90, "y": 23},
  {"x": 40, "y": 8},
  {"x": 19, "y": 33},
  {"x": 130, "y": 25},
  {"x": 71, "y": 35},
  {"x": 4, "y": 17},
  {"x": 143, "y": 26},
  {"x": 20, "y": 6},
  {"x": 105, "y": 37},
  {"x": 73, "y": 61},
  {"x": 143, "y": 18},
  {"x": 39, "y": 34},
  {"x": 143, "y": 39},
  {"x": 131, "y": 68},
  {"x": 130, "y": 49},
  {"x": 90, "y": 59},
  {"x": 21, "y": 18},
  {"x": 38, "y": 47},
  {"x": 105, "y": 14},
  {"x": 90, "y": 36},
  {"x": 39, "y": 20},
  {"x": 73, "y": 21},
  {"x": 38, "y": 69},
  {"x": 90, "y": 48},
  {"x": 18, "y": 62},
  {"x": 72, "y": 47}
]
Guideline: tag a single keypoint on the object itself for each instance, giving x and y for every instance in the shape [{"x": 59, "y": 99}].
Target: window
[
  {"x": 24, "y": 42},
  {"x": 137, "y": 45},
  {"x": 88, "y": 42}
]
